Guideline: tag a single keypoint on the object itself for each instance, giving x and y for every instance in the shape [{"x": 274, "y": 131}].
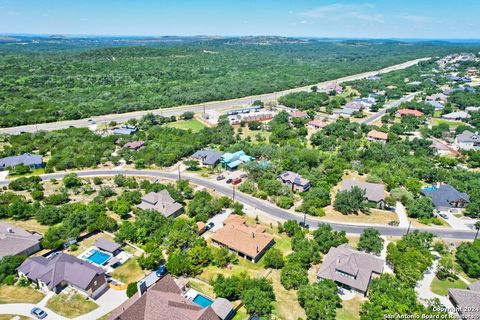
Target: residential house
[
  {"x": 162, "y": 202},
  {"x": 16, "y": 241},
  {"x": 62, "y": 270},
  {"x": 441, "y": 97},
  {"x": 124, "y": 130},
  {"x": 466, "y": 301},
  {"x": 459, "y": 115},
  {"x": 374, "y": 78},
  {"x": 209, "y": 157},
  {"x": 317, "y": 124},
  {"x": 472, "y": 109},
  {"x": 108, "y": 246},
  {"x": 354, "y": 105},
  {"x": 250, "y": 117},
  {"x": 445, "y": 197},
  {"x": 162, "y": 301},
  {"x": 333, "y": 86},
  {"x": 347, "y": 112},
  {"x": 436, "y": 104},
  {"x": 409, "y": 112},
  {"x": 233, "y": 160},
  {"x": 298, "y": 114},
  {"x": 134, "y": 145},
  {"x": 365, "y": 102},
  {"x": 246, "y": 241},
  {"x": 440, "y": 148},
  {"x": 377, "y": 136},
  {"x": 467, "y": 140},
  {"x": 350, "y": 269},
  {"x": 294, "y": 181},
  {"x": 472, "y": 71},
  {"x": 244, "y": 110},
  {"x": 374, "y": 192},
  {"x": 34, "y": 161},
  {"x": 223, "y": 308}
]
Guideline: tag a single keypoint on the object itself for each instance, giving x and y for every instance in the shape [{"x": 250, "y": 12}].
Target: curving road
[
  {"x": 175, "y": 111},
  {"x": 272, "y": 211}
]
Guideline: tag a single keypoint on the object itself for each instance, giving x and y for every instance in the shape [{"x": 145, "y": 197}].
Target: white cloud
[
  {"x": 417, "y": 19},
  {"x": 342, "y": 11}
]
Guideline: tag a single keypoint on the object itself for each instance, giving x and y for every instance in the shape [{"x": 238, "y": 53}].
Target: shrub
[{"x": 132, "y": 289}]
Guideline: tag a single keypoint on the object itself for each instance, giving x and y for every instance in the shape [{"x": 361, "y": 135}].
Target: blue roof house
[
  {"x": 445, "y": 197},
  {"x": 34, "y": 161},
  {"x": 233, "y": 160}
]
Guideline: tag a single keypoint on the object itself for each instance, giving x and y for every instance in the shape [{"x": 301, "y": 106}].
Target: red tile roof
[{"x": 405, "y": 112}]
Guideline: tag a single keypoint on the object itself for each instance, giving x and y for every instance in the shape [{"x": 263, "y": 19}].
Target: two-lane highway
[{"x": 270, "y": 210}]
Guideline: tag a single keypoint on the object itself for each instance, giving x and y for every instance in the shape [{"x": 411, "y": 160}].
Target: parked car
[
  {"x": 443, "y": 215},
  {"x": 229, "y": 180},
  {"x": 38, "y": 313},
  {"x": 236, "y": 181},
  {"x": 243, "y": 175},
  {"x": 304, "y": 225},
  {"x": 220, "y": 177},
  {"x": 209, "y": 226},
  {"x": 161, "y": 271}
]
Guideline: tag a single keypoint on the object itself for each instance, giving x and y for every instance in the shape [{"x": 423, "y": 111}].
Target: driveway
[
  {"x": 402, "y": 215},
  {"x": 457, "y": 223},
  {"x": 423, "y": 287},
  {"x": 218, "y": 219},
  {"x": 3, "y": 175}
]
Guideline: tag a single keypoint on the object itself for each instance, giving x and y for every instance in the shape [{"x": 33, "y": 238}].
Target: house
[
  {"x": 250, "y": 117},
  {"x": 209, "y": 157},
  {"x": 223, "y": 308},
  {"x": 162, "y": 202},
  {"x": 436, "y": 104},
  {"x": 124, "y": 130},
  {"x": 317, "y": 124},
  {"x": 34, "y": 161},
  {"x": 374, "y": 78},
  {"x": 365, "y": 102},
  {"x": 472, "y": 109},
  {"x": 467, "y": 140},
  {"x": 409, "y": 112},
  {"x": 246, "y": 241},
  {"x": 16, "y": 241},
  {"x": 441, "y": 97},
  {"x": 445, "y": 197},
  {"x": 440, "y": 148},
  {"x": 332, "y": 87},
  {"x": 374, "y": 192},
  {"x": 295, "y": 181},
  {"x": 459, "y": 115},
  {"x": 345, "y": 112},
  {"x": 466, "y": 301},
  {"x": 354, "y": 105},
  {"x": 472, "y": 71},
  {"x": 108, "y": 246},
  {"x": 377, "y": 136},
  {"x": 298, "y": 114},
  {"x": 233, "y": 160},
  {"x": 134, "y": 145},
  {"x": 350, "y": 269},
  {"x": 62, "y": 270},
  {"x": 414, "y": 83},
  {"x": 244, "y": 110},
  {"x": 162, "y": 301}
]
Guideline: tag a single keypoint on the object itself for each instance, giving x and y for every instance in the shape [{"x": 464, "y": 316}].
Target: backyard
[
  {"x": 441, "y": 287},
  {"x": 192, "y": 124},
  {"x": 15, "y": 294},
  {"x": 128, "y": 272}
]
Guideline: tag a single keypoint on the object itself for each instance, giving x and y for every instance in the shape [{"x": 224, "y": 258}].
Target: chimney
[
  {"x": 253, "y": 234},
  {"x": 257, "y": 248}
]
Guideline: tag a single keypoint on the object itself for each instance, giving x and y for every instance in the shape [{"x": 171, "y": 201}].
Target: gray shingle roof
[
  {"x": 350, "y": 267},
  {"x": 161, "y": 202},
  {"x": 373, "y": 191},
  {"x": 222, "y": 307},
  {"x": 466, "y": 301},
  {"x": 62, "y": 267},
  {"x": 15, "y": 240},
  {"x": 107, "y": 245},
  {"x": 208, "y": 156},
  {"x": 26, "y": 158},
  {"x": 444, "y": 195},
  {"x": 467, "y": 136}
]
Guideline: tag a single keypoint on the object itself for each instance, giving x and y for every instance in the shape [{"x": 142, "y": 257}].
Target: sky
[{"x": 420, "y": 19}]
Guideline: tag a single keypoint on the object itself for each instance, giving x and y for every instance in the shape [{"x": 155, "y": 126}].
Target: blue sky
[{"x": 371, "y": 19}]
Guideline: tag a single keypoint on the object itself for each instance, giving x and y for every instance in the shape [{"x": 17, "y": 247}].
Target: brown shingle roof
[
  {"x": 377, "y": 135},
  {"x": 237, "y": 235},
  {"x": 161, "y": 202},
  {"x": 134, "y": 145},
  {"x": 163, "y": 301}
]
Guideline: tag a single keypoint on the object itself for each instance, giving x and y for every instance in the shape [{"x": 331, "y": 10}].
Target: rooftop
[
  {"x": 160, "y": 201},
  {"x": 373, "y": 191},
  {"x": 14, "y": 240},
  {"x": 26, "y": 159},
  {"x": 378, "y": 135}
]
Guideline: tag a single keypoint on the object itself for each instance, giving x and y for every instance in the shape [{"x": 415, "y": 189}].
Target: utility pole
[
  {"x": 409, "y": 224},
  {"x": 304, "y": 219},
  {"x": 179, "y": 178},
  {"x": 476, "y": 235},
  {"x": 233, "y": 193}
]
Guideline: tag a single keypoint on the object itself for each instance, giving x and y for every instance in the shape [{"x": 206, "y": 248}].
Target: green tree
[
  {"x": 420, "y": 207},
  {"x": 370, "y": 241},
  {"x": 326, "y": 238},
  {"x": 320, "y": 300},
  {"x": 132, "y": 289},
  {"x": 273, "y": 259},
  {"x": 351, "y": 201},
  {"x": 468, "y": 257},
  {"x": 71, "y": 180},
  {"x": 293, "y": 276}
]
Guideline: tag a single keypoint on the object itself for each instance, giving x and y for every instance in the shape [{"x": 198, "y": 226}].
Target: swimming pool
[
  {"x": 202, "y": 301},
  {"x": 98, "y": 257},
  {"x": 429, "y": 188}
]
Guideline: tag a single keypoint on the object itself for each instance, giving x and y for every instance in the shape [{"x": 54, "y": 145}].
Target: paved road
[
  {"x": 395, "y": 104},
  {"x": 215, "y": 105},
  {"x": 272, "y": 211}
]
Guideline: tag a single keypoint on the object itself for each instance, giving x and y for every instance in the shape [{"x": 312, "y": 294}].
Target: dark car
[
  {"x": 443, "y": 215},
  {"x": 38, "y": 313},
  {"x": 209, "y": 226},
  {"x": 220, "y": 177},
  {"x": 161, "y": 271},
  {"x": 304, "y": 225},
  {"x": 229, "y": 180}
]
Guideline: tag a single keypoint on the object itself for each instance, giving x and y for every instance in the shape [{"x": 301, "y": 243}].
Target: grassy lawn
[
  {"x": 128, "y": 272},
  {"x": 31, "y": 225},
  {"x": 191, "y": 124},
  {"x": 34, "y": 172},
  {"x": 14, "y": 294},
  {"x": 11, "y": 316},
  {"x": 71, "y": 305},
  {"x": 88, "y": 242},
  {"x": 252, "y": 269},
  {"x": 441, "y": 287},
  {"x": 453, "y": 124},
  {"x": 375, "y": 216},
  {"x": 350, "y": 309},
  {"x": 253, "y": 133},
  {"x": 286, "y": 305}
]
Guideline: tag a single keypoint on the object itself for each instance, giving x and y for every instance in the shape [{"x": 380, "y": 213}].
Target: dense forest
[{"x": 44, "y": 81}]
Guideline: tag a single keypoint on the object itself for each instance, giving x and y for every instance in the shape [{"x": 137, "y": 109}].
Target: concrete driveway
[
  {"x": 218, "y": 219},
  {"x": 423, "y": 287}
]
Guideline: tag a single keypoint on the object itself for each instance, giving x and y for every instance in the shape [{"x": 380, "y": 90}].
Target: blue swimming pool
[
  {"x": 429, "y": 188},
  {"x": 98, "y": 257},
  {"x": 202, "y": 301}
]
